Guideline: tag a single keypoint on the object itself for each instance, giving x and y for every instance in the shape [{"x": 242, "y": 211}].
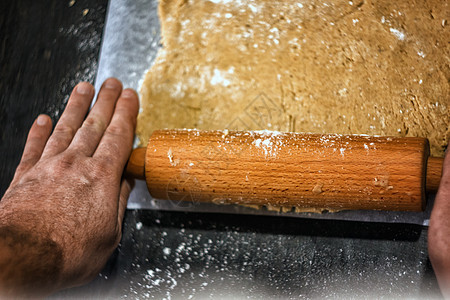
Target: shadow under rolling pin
[{"x": 308, "y": 171}]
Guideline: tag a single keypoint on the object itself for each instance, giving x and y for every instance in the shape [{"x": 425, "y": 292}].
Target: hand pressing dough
[{"x": 349, "y": 67}]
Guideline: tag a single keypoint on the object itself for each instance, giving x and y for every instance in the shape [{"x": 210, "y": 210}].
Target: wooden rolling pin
[{"x": 309, "y": 171}]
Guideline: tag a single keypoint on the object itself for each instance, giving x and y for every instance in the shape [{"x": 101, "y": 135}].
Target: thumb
[{"x": 125, "y": 189}]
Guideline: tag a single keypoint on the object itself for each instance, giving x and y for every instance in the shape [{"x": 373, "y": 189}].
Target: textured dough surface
[{"x": 363, "y": 67}]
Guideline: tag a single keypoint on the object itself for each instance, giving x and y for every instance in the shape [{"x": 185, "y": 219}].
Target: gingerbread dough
[{"x": 350, "y": 67}]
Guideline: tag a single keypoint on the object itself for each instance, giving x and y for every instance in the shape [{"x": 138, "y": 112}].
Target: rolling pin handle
[
  {"x": 434, "y": 173},
  {"x": 136, "y": 164}
]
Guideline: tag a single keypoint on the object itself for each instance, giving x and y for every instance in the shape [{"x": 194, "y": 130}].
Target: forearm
[{"x": 30, "y": 263}]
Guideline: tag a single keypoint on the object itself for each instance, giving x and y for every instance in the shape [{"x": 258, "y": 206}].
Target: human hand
[
  {"x": 61, "y": 217},
  {"x": 439, "y": 231}
]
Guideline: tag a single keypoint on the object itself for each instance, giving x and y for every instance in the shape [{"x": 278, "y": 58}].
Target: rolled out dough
[{"x": 350, "y": 67}]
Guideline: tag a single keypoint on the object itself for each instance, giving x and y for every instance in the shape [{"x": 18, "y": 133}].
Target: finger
[
  {"x": 71, "y": 119},
  {"x": 439, "y": 229},
  {"x": 36, "y": 140},
  {"x": 439, "y": 221},
  {"x": 443, "y": 193},
  {"x": 116, "y": 143},
  {"x": 125, "y": 189},
  {"x": 88, "y": 136}
]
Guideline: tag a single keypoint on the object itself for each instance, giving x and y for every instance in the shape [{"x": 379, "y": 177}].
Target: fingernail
[
  {"x": 84, "y": 88},
  {"x": 111, "y": 84},
  {"x": 128, "y": 93},
  {"x": 41, "y": 120}
]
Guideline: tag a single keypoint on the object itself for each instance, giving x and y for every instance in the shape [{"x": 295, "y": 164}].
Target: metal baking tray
[{"x": 131, "y": 40}]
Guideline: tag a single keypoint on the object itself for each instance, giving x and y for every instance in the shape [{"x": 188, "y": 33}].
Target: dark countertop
[{"x": 46, "y": 48}]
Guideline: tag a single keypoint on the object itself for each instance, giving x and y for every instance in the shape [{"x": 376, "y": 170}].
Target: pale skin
[
  {"x": 439, "y": 231},
  {"x": 61, "y": 217}
]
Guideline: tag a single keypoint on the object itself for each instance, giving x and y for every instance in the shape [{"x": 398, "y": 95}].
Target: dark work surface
[{"x": 46, "y": 48}]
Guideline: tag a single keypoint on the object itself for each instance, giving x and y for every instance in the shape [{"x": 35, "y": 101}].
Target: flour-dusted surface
[
  {"x": 355, "y": 67},
  {"x": 168, "y": 255}
]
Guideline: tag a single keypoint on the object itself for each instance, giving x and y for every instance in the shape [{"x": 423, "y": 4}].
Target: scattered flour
[{"x": 397, "y": 33}]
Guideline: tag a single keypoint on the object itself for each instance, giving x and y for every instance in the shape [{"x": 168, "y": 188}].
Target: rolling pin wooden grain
[{"x": 309, "y": 171}]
